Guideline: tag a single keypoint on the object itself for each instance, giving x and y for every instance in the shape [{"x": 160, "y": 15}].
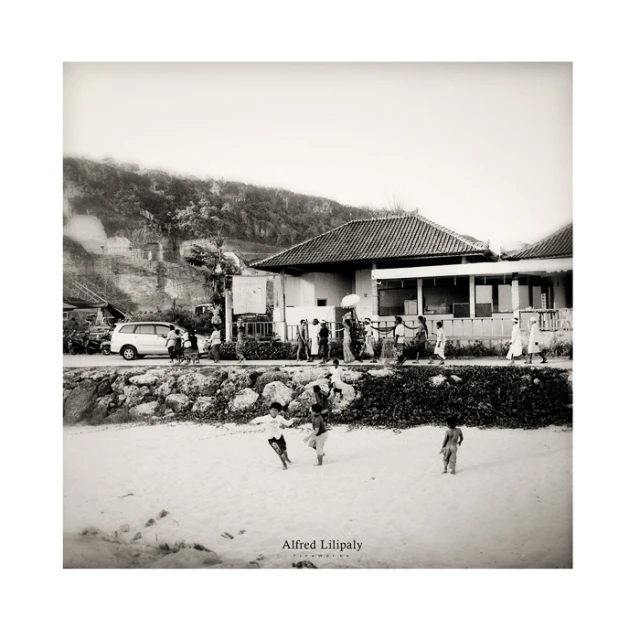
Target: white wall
[
  {"x": 332, "y": 287},
  {"x": 363, "y": 288}
]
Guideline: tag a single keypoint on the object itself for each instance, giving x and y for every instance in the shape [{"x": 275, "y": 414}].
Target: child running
[
  {"x": 452, "y": 440},
  {"x": 321, "y": 399},
  {"x": 274, "y": 432},
  {"x": 320, "y": 433}
]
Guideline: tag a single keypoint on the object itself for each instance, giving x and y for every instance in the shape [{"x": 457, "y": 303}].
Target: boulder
[
  {"x": 119, "y": 416},
  {"x": 323, "y": 383},
  {"x": 119, "y": 384},
  {"x": 270, "y": 376},
  {"x": 66, "y": 393},
  {"x": 304, "y": 375},
  {"x": 351, "y": 376},
  {"x": 193, "y": 383},
  {"x": 202, "y": 404},
  {"x": 177, "y": 402},
  {"x": 436, "y": 381},
  {"x": 236, "y": 382},
  {"x": 80, "y": 402},
  {"x": 145, "y": 379},
  {"x": 381, "y": 373},
  {"x": 277, "y": 392},
  {"x": 243, "y": 400},
  {"x": 302, "y": 404},
  {"x": 100, "y": 409},
  {"x": 145, "y": 409},
  {"x": 104, "y": 387},
  {"x": 135, "y": 395},
  {"x": 348, "y": 396},
  {"x": 165, "y": 389}
]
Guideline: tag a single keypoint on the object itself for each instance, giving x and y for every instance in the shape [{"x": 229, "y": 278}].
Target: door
[
  {"x": 145, "y": 339},
  {"x": 162, "y": 331}
]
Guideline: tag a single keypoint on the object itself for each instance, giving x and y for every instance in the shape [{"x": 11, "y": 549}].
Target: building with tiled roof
[
  {"x": 409, "y": 266},
  {"x": 556, "y": 245},
  {"x": 407, "y": 238}
]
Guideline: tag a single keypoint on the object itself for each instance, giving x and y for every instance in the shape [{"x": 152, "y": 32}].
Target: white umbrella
[{"x": 350, "y": 301}]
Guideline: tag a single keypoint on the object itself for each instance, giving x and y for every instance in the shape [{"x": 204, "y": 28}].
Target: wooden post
[{"x": 420, "y": 300}]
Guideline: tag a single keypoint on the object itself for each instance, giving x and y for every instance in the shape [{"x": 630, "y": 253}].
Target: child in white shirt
[
  {"x": 274, "y": 432},
  {"x": 335, "y": 379}
]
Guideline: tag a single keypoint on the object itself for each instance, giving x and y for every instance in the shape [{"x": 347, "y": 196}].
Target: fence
[{"x": 497, "y": 328}]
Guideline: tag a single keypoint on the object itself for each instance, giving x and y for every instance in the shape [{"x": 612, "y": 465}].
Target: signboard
[{"x": 249, "y": 294}]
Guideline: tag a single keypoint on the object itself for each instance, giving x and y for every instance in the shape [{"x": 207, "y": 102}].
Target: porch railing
[{"x": 498, "y": 327}]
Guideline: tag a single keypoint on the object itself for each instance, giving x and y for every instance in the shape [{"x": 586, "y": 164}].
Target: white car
[{"x": 138, "y": 339}]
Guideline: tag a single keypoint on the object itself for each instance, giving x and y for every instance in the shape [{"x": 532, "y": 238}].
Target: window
[
  {"x": 162, "y": 330},
  {"x": 440, "y": 294},
  {"x": 128, "y": 328},
  {"x": 321, "y": 302},
  {"x": 393, "y": 294},
  {"x": 146, "y": 329}
]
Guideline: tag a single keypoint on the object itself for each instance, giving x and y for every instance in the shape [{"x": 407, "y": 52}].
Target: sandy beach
[{"x": 381, "y": 492}]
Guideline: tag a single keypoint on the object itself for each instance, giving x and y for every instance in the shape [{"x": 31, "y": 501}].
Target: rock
[
  {"x": 104, "y": 387},
  {"x": 124, "y": 528},
  {"x": 456, "y": 379},
  {"x": 235, "y": 383},
  {"x": 243, "y": 400},
  {"x": 100, "y": 409},
  {"x": 168, "y": 413},
  {"x": 348, "y": 396},
  {"x": 351, "y": 376},
  {"x": 145, "y": 379},
  {"x": 145, "y": 409},
  {"x": 381, "y": 373},
  {"x": 90, "y": 531},
  {"x": 323, "y": 383},
  {"x": 80, "y": 402},
  {"x": 119, "y": 384},
  {"x": 162, "y": 514},
  {"x": 150, "y": 522},
  {"x": 277, "y": 392},
  {"x": 525, "y": 378},
  {"x": 436, "y": 381},
  {"x": 120, "y": 399},
  {"x": 135, "y": 395},
  {"x": 178, "y": 402},
  {"x": 137, "y": 536},
  {"x": 202, "y": 404},
  {"x": 302, "y": 404},
  {"x": 119, "y": 416},
  {"x": 66, "y": 393},
  {"x": 165, "y": 389},
  {"x": 270, "y": 376},
  {"x": 303, "y": 376},
  {"x": 195, "y": 384},
  {"x": 536, "y": 381}
]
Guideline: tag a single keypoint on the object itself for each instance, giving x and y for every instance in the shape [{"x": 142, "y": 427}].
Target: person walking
[
  {"x": 441, "y": 341},
  {"x": 369, "y": 348},
  {"x": 515, "y": 350},
  {"x": 421, "y": 338},
  {"x": 240, "y": 344},
  {"x": 534, "y": 342},
  {"x": 314, "y": 329},
  {"x": 323, "y": 342},
  {"x": 346, "y": 342},
  {"x": 399, "y": 341},
  {"x": 171, "y": 343},
  {"x": 216, "y": 342},
  {"x": 302, "y": 338}
]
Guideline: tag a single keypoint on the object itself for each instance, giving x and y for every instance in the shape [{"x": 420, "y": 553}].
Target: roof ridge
[
  {"x": 294, "y": 246},
  {"x": 478, "y": 245},
  {"x": 537, "y": 243}
]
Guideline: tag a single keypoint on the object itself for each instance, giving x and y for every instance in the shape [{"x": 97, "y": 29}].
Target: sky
[{"x": 482, "y": 148}]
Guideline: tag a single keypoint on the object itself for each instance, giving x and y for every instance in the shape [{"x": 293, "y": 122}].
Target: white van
[{"x": 138, "y": 339}]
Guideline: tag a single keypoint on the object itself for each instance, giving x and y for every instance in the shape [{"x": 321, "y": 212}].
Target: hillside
[{"x": 136, "y": 203}]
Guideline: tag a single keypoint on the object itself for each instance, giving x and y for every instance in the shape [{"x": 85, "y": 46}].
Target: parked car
[{"x": 138, "y": 339}]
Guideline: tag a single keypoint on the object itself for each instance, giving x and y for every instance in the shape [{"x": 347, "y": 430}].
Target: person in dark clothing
[
  {"x": 322, "y": 399},
  {"x": 323, "y": 342},
  {"x": 319, "y": 436}
]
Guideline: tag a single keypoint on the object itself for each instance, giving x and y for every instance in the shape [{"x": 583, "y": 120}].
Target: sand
[{"x": 380, "y": 491}]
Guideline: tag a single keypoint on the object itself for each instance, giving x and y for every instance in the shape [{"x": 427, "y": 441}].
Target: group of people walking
[{"x": 182, "y": 346}]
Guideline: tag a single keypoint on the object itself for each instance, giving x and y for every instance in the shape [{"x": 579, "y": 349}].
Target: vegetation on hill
[{"x": 128, "y": 199}]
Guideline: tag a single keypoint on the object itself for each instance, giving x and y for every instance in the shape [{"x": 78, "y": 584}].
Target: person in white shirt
[
  {"x": 534, "y": 342},
  {"x": 216, "y": 341},
  {"x": 441, "y": 341},
  {"x": 398, "y": 340},
  {"x": 515, "y": 350},
  {"x": 275, "y": 436},
  {"x": 172, "y": 336},
  {"x": 335, "y": 379}
]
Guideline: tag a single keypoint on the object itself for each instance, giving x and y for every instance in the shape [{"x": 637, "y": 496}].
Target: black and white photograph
[{"x": 317, "y": 315}]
